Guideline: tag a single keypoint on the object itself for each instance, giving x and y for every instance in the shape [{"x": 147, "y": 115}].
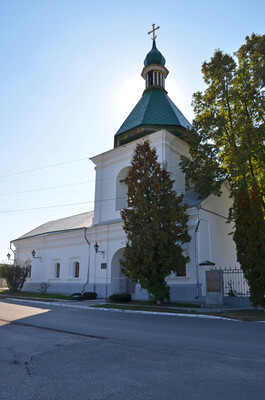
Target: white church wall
[
  {"x": 114, "y": 162},
  {"x": 104, "y": 274},
  {"x": 222, "y": 250},
  {"x": 65, "y": 249}
]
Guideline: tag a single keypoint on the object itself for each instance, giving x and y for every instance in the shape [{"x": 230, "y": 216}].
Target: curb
[{"x": 203, "y": 316}]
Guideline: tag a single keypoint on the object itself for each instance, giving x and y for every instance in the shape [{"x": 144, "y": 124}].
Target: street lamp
[{"x": 96, "y": 247}]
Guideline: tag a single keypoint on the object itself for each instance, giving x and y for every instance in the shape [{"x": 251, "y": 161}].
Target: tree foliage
[
  {"x": 228, "y": 139},
  {"x": 155, "y": 223},
  {"x": 249, "y": 236},
  {"x": 15, "y": 275}
]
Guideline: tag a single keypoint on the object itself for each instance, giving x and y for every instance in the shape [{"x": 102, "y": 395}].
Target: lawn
[
  {"x": 30, "y": 295},
  {"x": 242, "y": 315}
]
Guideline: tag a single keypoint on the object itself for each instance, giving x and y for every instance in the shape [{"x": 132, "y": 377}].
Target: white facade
[{"x": 62, "y": 246}]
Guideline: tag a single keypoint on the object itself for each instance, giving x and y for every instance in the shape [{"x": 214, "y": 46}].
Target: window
[
  {"x": 150, "y": 78},
  {"x": 57, "y": 270},
  {"x": 103, "y": 265},
  {"x": 121, "y": 189},
  {"x": 76, "y": 269},
  {"x": 181, "y": 271},
  {"x": 29, "y": 272}
]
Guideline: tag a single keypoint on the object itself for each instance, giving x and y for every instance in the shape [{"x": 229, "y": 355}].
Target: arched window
[
  {"x": 121, "y": 189},
  {"x": 57, "y": 270},
  {"x": 29, "y": 272},
  {"x": 76, "y": 269}
]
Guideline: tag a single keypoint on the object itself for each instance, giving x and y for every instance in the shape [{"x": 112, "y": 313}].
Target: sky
[{"x": 70, "y": 73}]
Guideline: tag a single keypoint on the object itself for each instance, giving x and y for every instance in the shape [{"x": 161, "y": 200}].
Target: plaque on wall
[{"x": 213, "y": 281}]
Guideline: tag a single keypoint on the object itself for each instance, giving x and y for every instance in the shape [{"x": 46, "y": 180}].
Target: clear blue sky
[{"x": 70, "y": 75}]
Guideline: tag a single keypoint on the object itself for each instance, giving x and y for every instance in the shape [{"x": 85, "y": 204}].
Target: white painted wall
[
  {"x": 110, "y": 164},
  {"x": 210, "y": 240}
]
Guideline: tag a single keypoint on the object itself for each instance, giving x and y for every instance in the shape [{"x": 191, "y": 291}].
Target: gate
[{"x": 235, "y": 284}]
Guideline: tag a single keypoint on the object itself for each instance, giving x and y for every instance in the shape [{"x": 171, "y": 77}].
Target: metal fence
[{"x": 234, "y": 282}]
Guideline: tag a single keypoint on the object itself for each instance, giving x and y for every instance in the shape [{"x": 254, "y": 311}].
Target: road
[{"x": 56, "y": 353}]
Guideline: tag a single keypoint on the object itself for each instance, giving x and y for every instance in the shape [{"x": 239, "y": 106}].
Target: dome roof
[
  {"x": 154, "y": 108},
  {"x": 154, "y": 57}
]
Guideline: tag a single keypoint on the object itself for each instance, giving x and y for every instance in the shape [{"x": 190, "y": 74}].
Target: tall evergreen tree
[
  {"x": 155, "y": 223},
  {"x": 228, "y": 139}
]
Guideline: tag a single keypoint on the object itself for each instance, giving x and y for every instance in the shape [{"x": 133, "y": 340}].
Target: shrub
[
  {"x": 120, "y": 298},
  {"x": 15, "y": 275},
  {"x": 77, "y": 296},
  {"x": 44, "y": 286},
  {"x": 89, "y": 295}
]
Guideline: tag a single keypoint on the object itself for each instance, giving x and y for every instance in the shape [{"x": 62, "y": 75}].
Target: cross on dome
[{"x": 153, "y": 31}]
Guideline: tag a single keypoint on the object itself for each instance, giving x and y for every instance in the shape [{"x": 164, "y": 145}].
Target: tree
[
  {"x": 249, "y": 236},
  {"x": 155, "y": 223},
  {"x": 15, "y": 275},
  {"x": 227, "y": 142}
]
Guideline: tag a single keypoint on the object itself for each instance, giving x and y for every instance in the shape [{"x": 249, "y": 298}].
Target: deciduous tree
[{"x": 228, "y": 139}]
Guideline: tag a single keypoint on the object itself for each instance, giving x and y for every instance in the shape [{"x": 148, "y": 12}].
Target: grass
[
  {"x": 153, "y": 308},
  {"x": 29, "y": 295},
  {"x": 165, "y": 305},
  {"x": 242, "y": 315}
]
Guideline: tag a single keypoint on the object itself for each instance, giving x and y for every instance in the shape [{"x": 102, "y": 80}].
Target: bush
[
  {"x": 15, "y": 275},
  {"x": 77, "y": 296},
  {"x": 44, "y": 286},
  {"x": 120, "y": 298},
  {"x": 89, "y": 295}
]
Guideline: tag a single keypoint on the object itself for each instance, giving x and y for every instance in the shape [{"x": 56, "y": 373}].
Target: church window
[
  {"x": 181, "y": 271},
  {"x": 76, "y": 269},
  {"x": 29, "y": 272},
  {"x": 121, "y": 190},
  {"x": 57, "y": 270}
]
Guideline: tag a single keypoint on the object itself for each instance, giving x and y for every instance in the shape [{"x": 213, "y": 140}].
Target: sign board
[{"x": 213, "y": 281}]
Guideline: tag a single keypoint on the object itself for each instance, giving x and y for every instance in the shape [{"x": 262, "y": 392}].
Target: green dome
[{"x": 154, "y": 57}]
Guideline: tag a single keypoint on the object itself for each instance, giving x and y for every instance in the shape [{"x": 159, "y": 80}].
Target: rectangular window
[
  {"x": 103, "y": 265},
  {"x": 181, "y": 271}
]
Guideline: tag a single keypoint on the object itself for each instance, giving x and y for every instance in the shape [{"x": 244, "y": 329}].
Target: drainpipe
[
  {"x": 88, "y": 263},
  {"x": 12, "y": 250},
  {"x": 196, "y": 253}
]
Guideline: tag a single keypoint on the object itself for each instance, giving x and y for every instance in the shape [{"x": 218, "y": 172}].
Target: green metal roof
[
  {"x": 154, "y": 57},
  {"x": 154, "y": 108}
]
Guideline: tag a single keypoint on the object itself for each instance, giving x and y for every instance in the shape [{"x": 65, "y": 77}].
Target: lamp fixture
[
  {"x": 9, "y": 257},
  {"x": 34, "y": 254},
  {"x": 96, "y": 247}
]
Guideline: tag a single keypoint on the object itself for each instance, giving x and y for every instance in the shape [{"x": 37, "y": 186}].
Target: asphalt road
[{"x": 64, "y": 354}]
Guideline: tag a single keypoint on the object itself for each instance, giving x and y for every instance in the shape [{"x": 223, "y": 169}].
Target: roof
[
  {"x": 79, "y": 221},
  {"x": 154, "y": 108},
  {"x": 192, "y": 198},
  {"x": 154, "y": 57}
]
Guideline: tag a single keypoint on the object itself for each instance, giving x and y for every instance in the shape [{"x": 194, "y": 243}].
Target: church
[{"x": 83, "y": 252}]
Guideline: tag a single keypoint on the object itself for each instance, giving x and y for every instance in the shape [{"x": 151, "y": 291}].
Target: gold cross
[{"x": 153, "y": 30}]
